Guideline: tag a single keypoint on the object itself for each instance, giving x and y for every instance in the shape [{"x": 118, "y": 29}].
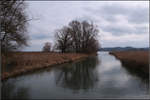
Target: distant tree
[
  {"x": 47, "y": 47},
  {"x": 13, "y": 21},
  {"x": 78, "y": 37}
]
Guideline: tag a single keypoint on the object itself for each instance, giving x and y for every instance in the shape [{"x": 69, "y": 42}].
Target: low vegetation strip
[
  {"x": 22, "y": 62},
  {"x": 139, "y": 60}
]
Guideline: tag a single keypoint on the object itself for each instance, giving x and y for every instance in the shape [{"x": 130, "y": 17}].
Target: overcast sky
[{"x": 121, "y": 23}]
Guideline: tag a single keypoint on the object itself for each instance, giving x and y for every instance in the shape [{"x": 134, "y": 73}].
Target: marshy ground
[
  {"x": 136, "y": 60},
  {"x": 18, "y": 63}
]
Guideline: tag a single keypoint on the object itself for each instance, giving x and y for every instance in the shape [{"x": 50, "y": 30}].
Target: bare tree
[
  {"x": 13, "y": 21},
  {"x": 63, "y": 39},
  {"x": 89, "y": 37},
  {"x": 47, "y": 47},
  {"x": 78, "y": 37},
  {"x": 84, "y": 35},
  {"x": 76, "y": 34}
]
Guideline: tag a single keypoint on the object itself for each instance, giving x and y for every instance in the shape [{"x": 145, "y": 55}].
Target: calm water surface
[{"x": 96, "y": 77}]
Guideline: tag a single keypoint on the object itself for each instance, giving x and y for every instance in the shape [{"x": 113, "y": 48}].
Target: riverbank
[
  {"x": 135, "y": 60},
  {"x": 19, "y": 63}
]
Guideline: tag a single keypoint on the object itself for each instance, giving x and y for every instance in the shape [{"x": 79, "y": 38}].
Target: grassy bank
[
  {"x": 19, "y": 63},
  {"x": 135, "y": 60}
]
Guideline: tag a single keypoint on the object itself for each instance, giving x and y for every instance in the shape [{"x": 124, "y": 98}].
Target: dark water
[{"x": 96, "y": 77}]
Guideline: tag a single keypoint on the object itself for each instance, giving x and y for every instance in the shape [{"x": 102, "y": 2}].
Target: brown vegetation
[
  {"x": 22, "y": 62},
  {"x": 137, "y": 60}
]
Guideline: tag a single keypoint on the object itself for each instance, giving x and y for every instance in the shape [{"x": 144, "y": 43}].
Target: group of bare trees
[
  {"x": 78, "y": 36},
  {"x": 13, "y": 21}
]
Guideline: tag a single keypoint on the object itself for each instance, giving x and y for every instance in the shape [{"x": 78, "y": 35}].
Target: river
[{"x": 102, "y": 76}]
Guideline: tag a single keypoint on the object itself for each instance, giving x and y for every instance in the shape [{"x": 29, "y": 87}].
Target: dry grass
[
  {"x": 22, "y": 62},
  {"x": 134, "y": 59}
]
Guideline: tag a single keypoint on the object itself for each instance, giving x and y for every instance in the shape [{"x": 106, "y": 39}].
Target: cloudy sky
[{"x": 121, "y": 23}]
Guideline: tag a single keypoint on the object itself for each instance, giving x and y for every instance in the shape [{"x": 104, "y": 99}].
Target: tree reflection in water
[
  {"x": 79, "y": 75},
  {"x": 11, "y": 91},
  {"x": 144, "y": 77}
]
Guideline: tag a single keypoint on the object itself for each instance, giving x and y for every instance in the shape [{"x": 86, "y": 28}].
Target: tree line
[{"x": 78, "y": 36}]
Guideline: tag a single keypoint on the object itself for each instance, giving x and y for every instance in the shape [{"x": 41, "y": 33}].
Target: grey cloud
[
  {"x": 134, "y": 15},
  {"x": 41, "y": 36},
  {"x": 139, "y": 16},
  {"x": 124, "y": 44},
  {"x": 113, "y": 9},
  {"x": 141, "y": 29},
  {"x": 115, "y": 30},
  {"x": 108, "y": 12}
]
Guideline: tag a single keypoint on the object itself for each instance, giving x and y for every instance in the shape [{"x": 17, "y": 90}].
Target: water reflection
[
  {"x": 11, "y": 91},
  {"x": 96, "y": 77},
  {"x": 136, "y": 72},
  {"x": 80, "y": 75},
  {"x": 139, "y": 74}
]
